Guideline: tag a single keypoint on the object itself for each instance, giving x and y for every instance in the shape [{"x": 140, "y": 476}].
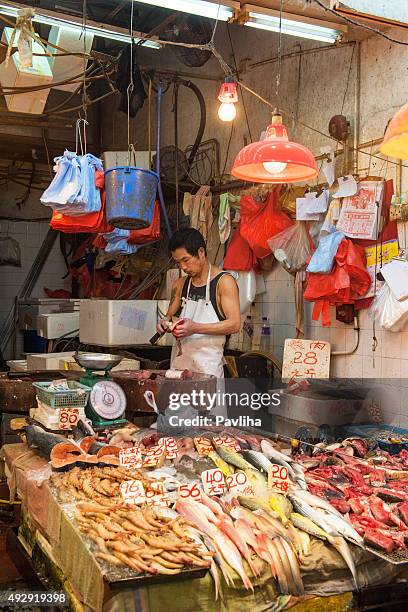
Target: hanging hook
[{"x": 78, "y": 135}]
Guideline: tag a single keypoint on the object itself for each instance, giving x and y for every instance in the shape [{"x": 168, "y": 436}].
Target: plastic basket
[{"x": 75, "y": 397}]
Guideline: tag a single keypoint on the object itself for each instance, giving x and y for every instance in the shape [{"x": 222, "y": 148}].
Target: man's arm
[
  {"x": 174, "y": 305},
  {"x": 229, "y": 301}
]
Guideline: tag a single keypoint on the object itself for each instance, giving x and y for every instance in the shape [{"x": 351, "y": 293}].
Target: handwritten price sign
[
  {"x": 239, "y": 484},
  {"x": 203, "y": 445},
  {"x": 191, "y": 491},
  {"x": 227, "y": 441},
  {"x": 158, "y": 497},
  {"x": 133, "y": 492},
  {"x": 170, "y": 447},
  {"x": 305, "y": 359},
  {"x": 130, "y": 457},
  {"x": 68, "y": 418},
  {"x": 278, "y": 478},
  {"x": 213, "y": 482},
  {"x": 154, "y": 456}
]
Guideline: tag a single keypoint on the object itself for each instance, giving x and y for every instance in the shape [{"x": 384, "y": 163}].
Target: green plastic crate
[{"x": 75, "y": 397}]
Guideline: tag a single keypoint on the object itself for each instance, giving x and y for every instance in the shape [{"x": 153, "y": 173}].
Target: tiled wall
[{"x": 30, "y": 236}]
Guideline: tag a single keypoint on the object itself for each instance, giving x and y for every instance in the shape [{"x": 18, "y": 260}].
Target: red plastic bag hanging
[
  {"x": 239, "y": 255},
  {"x": 348, "y": 281},
  {"x": 92, "y": 223},
  {"x": 259, "y": 222},
  {"x": 148, "y": 234}
]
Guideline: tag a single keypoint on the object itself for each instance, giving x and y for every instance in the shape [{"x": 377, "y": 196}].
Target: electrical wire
[
  {"x": 130, "y": 87},
  {"x": 237, "y": 73},
  {"x": 360, "y": 25}
]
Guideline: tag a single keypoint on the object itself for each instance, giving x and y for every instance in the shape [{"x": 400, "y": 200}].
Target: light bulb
[
  {"x": 274, "y": 167},
  {"x": 227, "y": 111}
]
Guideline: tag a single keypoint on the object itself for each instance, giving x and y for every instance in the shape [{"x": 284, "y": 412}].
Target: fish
[
  {"x": 281, "y": 505},
  {"x": 221, "y": 464},
  {"x": 258, "y": 460},
  {"x": 293, "y": 566},
  {"x": 299, "y": 475},
  {"x": 343, "y": 528},
  {"x": 232, "y": 556},
  {"x": 235, "y": 536},
  {"x": 343, "y": 549},
  {"x": 315, "y": 501},
  {"x": 65, "y": 455},
  {"x": 277, "y": 457},
  {"x": 42, "y": 440},
  {"x": 257, "y": 479},
  {"x": 279, "y": 567},
  {"x": 305, "y": 524},
  {"x": 253, "y": 503},
  {"x": 216, "y": 577},
  {"x": 233, "y": 458},
  {"x": 305, "y": 543}
]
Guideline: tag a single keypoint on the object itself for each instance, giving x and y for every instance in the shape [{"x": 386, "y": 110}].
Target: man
[{"x": 207, "y": 302}]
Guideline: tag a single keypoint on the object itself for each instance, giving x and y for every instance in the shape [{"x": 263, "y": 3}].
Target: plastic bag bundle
[
  {"x": 292, "y": 247},
  {"x": 72, "y": 191},
  {"x": 323, "y": 258},
  {"x": 117, "y": 242},
  {"x": 389, "y": 313},
  {"x": 10, "y": 254}
]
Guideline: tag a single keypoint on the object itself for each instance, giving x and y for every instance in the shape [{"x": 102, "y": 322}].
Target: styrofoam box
[
  {"x": 16, "y": 75},
  {"x": 117, "y": 322},
  {"x": 17, "y": 365},
  {"x": 65, "y": 67},
  {"x": 55, "y": 325},
  {"x": 112, "y": 159},
  {"x": 46, "y": 361}
]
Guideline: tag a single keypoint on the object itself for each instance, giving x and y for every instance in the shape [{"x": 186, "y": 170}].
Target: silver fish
[
  {"x": 342, "y": 547},
  {"x": 233, "y": 458},
  {"x": 257, "y": 459},
  {"x": 344, "y": 528},
  {"x": 315, "y": 501}
]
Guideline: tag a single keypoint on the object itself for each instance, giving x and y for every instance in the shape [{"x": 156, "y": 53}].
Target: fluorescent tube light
[
  {"x": 204, "y": 8},
  {"x": 102, "y": 30},
  {"x": 291, "y": 24}
]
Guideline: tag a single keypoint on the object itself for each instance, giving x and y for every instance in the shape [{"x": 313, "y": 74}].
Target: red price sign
[
  {"x": 189, "y": 490},
  {"x": 239, "y": 484},
  {"x": 130, "y": 457},
  {"x": 154, "y": 456},
  {"x": 133, "y": 492},
  {"x": 227, "y": 441},
  {"x": 203, "y": 445},
  {"x": 213, "y": 482},
  {"x": 157, "y": 497},
  {"x": 68, "y": 418},
  {"x": 170, "y": 446},
  {"x": 278, "y": 478}
]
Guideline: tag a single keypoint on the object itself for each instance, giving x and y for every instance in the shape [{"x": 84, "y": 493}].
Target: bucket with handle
[{"x": 130, "y": 196}]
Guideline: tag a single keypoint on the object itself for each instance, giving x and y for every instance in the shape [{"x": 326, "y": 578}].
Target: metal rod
[{"x": 357, "y": 104}]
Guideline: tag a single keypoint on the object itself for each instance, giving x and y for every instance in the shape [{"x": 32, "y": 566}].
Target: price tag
[
  {"x": 170, "y": 446},
  {"x": 133, "y": 492},
  {"x": 189, "y": 490},
  {"x": 239, "y": 484},
  {"x": 305, "y": 359},
  {"x": 227, "y": 441},
  {"x": 158, "y": 497},
  {"x": 278, "y": 478},
  {"x": 213, "y": 482},
  {"x": 130, "y": 457},
  {"x": 203, "y": 445},
  {"x": 154, "y": 457},
  {"x": 68, "y": 418}
]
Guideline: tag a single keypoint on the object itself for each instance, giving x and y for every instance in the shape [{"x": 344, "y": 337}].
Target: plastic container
[
  {"x": 75, "y": 397},
  {"x": 265, "y": 343},
  {"x": 248, "y": 334},
  {"x": 117, "y": 322},
  {"x": 130, "y": 196}
]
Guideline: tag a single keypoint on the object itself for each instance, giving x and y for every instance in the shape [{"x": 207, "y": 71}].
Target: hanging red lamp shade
[
  {"x": 275, "y": 159},
  {"x": 395, "y": 143}
]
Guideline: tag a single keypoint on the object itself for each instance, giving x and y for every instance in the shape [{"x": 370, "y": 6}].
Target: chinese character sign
[{"x": 306, "y": 359}]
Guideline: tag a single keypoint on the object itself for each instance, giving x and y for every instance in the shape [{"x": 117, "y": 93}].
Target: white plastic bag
[
  {"x": 390, "y": 314},
  {"x": 10, "y": 254}
]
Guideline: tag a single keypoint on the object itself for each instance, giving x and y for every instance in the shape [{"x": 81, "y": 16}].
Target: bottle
[
  {"x": 248, "y": 334},
  {"x": 265, "y": 344}
]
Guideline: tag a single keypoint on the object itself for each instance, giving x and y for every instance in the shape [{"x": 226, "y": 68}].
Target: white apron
[{"x": 200, "y": 352}]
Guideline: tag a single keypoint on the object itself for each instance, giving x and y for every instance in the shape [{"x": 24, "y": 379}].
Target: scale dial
[{"x": 108, "y": 399}]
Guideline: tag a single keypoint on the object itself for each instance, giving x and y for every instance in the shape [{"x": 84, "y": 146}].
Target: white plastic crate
[
  {"x": 57, "y": 324},
  {"x": 117, "y": 322}
]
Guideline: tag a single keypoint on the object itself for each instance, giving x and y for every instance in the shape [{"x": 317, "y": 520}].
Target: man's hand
[
  {"x": 184, "y": 328},
  {"x": 162, "y": 325}
]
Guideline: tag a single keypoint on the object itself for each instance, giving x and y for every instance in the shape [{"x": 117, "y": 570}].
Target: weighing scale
[{"x": 107, "y": 401}]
